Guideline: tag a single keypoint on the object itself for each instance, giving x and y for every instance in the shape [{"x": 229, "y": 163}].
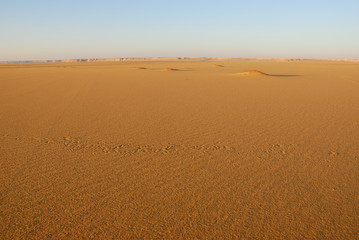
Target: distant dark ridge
[{"x": 178, "y": 59}]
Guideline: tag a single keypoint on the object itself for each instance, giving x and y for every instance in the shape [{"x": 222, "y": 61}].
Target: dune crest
[{"x": 252, "y": 73}]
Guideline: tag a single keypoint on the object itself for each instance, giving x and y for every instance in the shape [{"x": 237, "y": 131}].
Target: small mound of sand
[
  {"x": 218, "y": 65},
  {"x": 170, "y": 69},
  {"x": 253, "y": 73},
  {"x": 140, "y": 68}
]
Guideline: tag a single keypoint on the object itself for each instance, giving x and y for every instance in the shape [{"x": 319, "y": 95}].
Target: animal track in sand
[
  {"x": 274, "y": 151},
  {"x": 75, "y": 144},
  {"x": 333, "y": 154},
  {"x": 278, "y": 151}
]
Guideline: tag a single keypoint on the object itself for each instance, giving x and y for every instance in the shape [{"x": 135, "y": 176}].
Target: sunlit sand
[{"x": 180, "y": 149}]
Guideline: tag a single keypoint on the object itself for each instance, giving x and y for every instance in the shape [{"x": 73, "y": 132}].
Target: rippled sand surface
[{"x": 179, "y": 150}]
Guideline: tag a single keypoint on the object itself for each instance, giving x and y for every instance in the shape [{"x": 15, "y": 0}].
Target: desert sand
[{"x": 179, "y": 150}]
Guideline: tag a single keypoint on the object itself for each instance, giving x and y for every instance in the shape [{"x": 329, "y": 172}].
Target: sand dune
[
  {"x": 99, "y": 150},
  {"x": 252, "y": 73}
]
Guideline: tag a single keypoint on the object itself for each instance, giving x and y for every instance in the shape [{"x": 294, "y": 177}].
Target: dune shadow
[
  {"x": 176, "y": 70},
  {"x": 282, "y": 75},
  {"x": 140, "y": 68},
  {"x": 254, "y": 72}
]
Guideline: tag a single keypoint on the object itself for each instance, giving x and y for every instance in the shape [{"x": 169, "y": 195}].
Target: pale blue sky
[{"x": 45, "y": 29}]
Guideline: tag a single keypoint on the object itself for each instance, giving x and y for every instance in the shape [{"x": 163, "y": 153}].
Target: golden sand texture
[{"x": 103, "y": 150}]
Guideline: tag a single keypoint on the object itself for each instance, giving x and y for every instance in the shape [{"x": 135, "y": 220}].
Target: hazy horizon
[
  {"x": 167, "y": 58},
  {"x": 41, "y": 30}
]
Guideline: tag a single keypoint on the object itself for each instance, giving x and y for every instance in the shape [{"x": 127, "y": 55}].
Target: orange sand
[{"x": 102, "y": 150}]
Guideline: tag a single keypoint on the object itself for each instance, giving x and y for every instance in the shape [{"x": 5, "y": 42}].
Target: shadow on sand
[
  {"x": 281, "y": 75},
  {"x": 176, "y": 70}
]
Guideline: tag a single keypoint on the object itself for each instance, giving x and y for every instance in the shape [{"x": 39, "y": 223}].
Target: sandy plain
[{"x": 179, "y": 150}]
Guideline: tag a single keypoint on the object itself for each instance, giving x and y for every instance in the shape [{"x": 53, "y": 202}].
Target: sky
[{"x": 44, "y": 29}]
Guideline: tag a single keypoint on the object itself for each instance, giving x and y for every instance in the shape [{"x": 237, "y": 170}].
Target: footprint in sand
[{"x": 333, "y": 154}]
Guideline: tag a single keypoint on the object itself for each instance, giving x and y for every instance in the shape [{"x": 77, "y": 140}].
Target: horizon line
[{"x": 125, "y": 59}]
